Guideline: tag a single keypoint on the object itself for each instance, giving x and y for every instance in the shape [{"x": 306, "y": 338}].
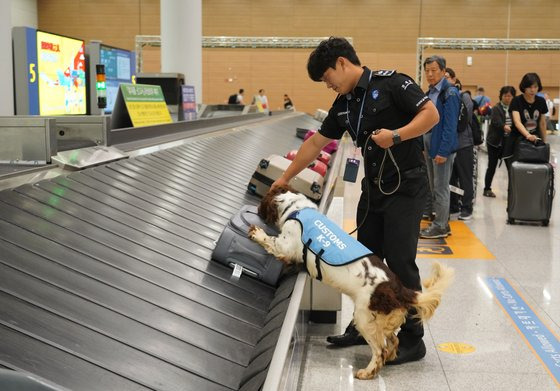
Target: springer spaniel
[{"x": 381, "y": 301}]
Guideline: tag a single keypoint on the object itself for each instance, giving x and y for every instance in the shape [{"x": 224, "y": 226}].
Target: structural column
[
  {"x": 181, "y": 40},
  {"x": 6, "y": 72}
]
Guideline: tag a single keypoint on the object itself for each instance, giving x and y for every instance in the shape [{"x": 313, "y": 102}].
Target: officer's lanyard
[{"x": 357, "y": 131}]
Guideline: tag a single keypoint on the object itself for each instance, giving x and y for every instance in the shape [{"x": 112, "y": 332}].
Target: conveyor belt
[{"x": 106, "y": 281}]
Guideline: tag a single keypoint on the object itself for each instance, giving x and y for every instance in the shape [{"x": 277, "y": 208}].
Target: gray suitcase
[
  {"x": 235, "y": 248},
  {"x": 307, "y": 182},
  {"x": 530, "y": 193}
]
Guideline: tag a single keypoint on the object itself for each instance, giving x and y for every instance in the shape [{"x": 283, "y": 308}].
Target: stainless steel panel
[
  {"x": 27, "y": 140},
  {"x": 78, "y": 159},
  {"x": 83, "y": 128}
]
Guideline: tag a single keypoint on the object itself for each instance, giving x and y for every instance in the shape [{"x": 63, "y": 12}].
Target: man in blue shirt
[
  {"x": 480, "y": 98},
  {"x": 440, "y": 144}
]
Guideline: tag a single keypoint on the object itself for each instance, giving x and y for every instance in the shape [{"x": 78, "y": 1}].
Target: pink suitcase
[
  {"x": 329, "y": 148},
  {"x": 323, "y": 156}
]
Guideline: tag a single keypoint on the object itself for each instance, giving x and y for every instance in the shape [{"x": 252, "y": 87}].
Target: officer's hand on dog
[
  {"x": 279, "y": 182},
  {"x": 383, "y": 138}
]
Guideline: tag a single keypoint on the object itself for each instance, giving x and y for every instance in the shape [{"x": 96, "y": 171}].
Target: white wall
[
  {"x": 24, "y": 13},
  {"x": 6, "y": 81}
]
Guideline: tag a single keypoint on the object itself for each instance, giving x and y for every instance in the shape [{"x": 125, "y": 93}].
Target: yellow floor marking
[
  {"x": 462, "y": 243},
  {"x": 456, "y": 348},
  {"x": 349, "y": 225}
]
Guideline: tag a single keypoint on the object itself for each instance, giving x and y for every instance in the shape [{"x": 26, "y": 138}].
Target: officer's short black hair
[
  {"x": 241, "y": 90},
  {"x": 507, "y": 89},
  {"x": 438, "y": 59},
  {"x": 528, "y": 80},
  {"x": 324, "y": 56}
]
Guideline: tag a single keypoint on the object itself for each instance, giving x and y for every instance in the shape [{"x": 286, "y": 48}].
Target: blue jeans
[{"x": 439, "y": 175}]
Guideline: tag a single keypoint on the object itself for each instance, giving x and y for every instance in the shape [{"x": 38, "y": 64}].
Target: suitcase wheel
[
  {"x": 252, "y": 188},
  {"x": 545, "y": 223},
  {"x": 264, "y": 164},
  {"x": 510, "y": 221},
  {"x": 315, "y": 188}
]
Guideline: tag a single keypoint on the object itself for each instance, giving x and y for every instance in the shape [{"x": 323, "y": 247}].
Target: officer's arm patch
[{"x": 384, "y": 72}]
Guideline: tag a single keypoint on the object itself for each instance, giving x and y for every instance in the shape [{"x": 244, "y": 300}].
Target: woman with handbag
[
  {"x": 498, "y": 134},
  {"x": 528, "y": 111}
]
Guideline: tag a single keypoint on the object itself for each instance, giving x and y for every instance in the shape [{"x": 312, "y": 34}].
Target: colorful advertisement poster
[
  {"x": 62, "y": 77},
  {"x": 189, "y": 103}
]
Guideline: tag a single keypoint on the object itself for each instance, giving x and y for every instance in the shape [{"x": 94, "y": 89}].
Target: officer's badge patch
[
  {"x": 405, "y": 85},
  {"x": 384, "y": 72},
  {"x": 375, "y": 94}
]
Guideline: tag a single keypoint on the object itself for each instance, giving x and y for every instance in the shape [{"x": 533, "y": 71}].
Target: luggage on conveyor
[
  {"x": 329, "y": 148},
  {"x": 530, "y": 193},
  {"x": 301, "y": 132},
  {"x": 307, "y": 182},
  {"x": 323, "y": 156},
  {"x": 235, "y": 248},
  {"x": 319, "y": 167}
]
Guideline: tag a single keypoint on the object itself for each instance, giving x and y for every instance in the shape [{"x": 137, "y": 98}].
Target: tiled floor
[{"x": 528, "y": 257}]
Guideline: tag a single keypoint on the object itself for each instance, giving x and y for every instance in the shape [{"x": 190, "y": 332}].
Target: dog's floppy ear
[{"x": 268, "y": 210}]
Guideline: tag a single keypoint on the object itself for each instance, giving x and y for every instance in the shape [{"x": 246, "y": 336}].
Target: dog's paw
[
  {"x": 256, "y": 233},
  {"x": 364, "y": 374},
  {"x": 252, "y": 229}
]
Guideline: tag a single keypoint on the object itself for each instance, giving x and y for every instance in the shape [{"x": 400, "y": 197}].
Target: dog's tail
[{"x": 428, "y": 300}]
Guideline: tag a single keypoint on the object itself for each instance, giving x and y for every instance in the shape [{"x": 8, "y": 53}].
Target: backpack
[
  {"x": 232, "y": 100},
  {"x": 478, "y": 137},
  {"x": 463, "y": 120}
]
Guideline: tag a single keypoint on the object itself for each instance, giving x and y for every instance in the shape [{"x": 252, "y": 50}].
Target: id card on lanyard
[{"x": 352, "y": 164}]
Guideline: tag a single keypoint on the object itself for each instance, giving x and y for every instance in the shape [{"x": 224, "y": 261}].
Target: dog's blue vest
[{"x": 327, "y": 240}]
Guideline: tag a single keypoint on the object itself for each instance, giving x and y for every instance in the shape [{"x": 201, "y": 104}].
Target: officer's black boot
[{"x": 350, "y": 337}]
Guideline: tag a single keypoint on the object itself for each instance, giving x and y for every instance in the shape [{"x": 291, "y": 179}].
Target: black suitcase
[
  {"x": 301, "y": 132},
  {"x": 530, "y": 193},
  {"x": 235, "y": 248}
]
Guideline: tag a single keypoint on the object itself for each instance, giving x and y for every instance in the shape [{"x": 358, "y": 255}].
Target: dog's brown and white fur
[{"x": 381, "y": 301}]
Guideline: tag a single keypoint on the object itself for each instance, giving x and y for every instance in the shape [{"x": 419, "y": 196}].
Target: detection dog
[{"x": 381, "y": 301}]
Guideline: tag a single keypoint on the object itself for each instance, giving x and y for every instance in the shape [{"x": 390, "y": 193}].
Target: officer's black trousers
[{"x": 391, "y": 230}]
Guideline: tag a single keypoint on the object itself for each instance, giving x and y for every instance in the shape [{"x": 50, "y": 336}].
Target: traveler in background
[
  {"x": 240, "y": 97},
  {"x": 440, "y": 143},
  {"x": 481, "y": 99},
  {"x": 463, "y": 165},
  {"x": 390, "y": 207},
  {"x": 261, "y": 101},
  {"x": 288, "y": 105},
  {"x": 498, "y": 132},
  {"x": 527, "y": 111},
  {"x": 236, "y": 99}
]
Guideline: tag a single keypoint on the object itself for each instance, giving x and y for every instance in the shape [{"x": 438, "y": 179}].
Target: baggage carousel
[{"x": 106, "y": 277}]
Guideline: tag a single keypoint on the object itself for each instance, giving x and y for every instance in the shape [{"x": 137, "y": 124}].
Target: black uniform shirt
[{"x": 391, "y": 101}]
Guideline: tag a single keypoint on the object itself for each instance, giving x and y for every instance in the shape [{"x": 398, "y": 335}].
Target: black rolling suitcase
[{"x": 530, "y": 192}]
